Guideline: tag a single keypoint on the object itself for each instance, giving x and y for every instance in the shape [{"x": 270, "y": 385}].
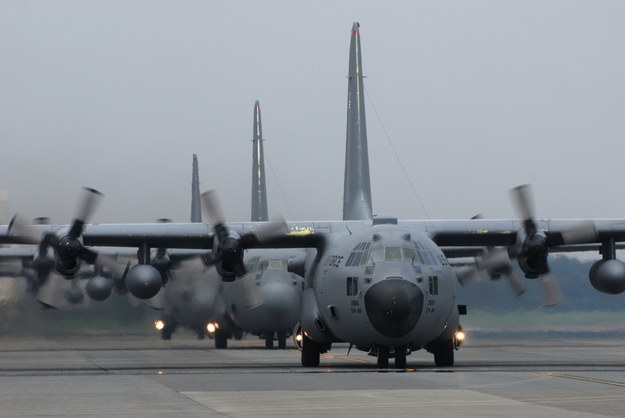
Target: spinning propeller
[
  {"x": 531, "y": 249},
  {"x": 67, "y": 244},
  {"x": 533, "y": 245},
  {"x": 227, "y": 250}
]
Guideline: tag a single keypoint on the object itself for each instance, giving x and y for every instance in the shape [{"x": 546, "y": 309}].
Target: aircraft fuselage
[{"x": 382, "y": 286}]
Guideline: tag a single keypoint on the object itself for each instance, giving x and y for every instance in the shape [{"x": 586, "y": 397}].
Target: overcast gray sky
[{"x": 475, "y": 97}]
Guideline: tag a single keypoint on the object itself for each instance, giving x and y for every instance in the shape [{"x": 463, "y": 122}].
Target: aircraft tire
[
  {"x": 383, "y": 355},
  {"x": 282, "y": 340},
  {"x": 221, "y": 339},
  {"x": 269, "y": 341},
  {"x": 444, "y": 354},
  {"x": 311, "y": 353},
  {"x": 400, "y": 357}
]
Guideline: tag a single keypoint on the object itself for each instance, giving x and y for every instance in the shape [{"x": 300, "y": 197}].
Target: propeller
[
  {"x": 66, "y": 243},
  {"x": 497, "y": 262},
  {"x": 533, "y": 245},
  {"x": 227, "y": 250}
]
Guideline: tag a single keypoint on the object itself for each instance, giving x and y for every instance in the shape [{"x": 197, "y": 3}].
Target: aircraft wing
[{"x": 454, "y": 236}]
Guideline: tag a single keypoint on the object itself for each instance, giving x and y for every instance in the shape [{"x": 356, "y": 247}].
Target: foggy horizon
[{"x": 474, "y": 98}]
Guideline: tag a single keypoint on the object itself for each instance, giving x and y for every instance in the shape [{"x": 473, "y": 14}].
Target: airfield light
[{"x": 159, "y": 325}]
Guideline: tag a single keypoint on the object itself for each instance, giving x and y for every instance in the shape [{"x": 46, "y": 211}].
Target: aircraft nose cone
[
  {"x": 281, "y": 305},
  {"x": 394, "y": 306}
]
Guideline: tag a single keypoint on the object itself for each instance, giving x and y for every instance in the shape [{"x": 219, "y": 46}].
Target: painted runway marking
[{"x": 587, "y": 379}]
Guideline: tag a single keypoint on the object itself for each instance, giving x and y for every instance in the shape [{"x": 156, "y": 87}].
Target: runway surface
[{"x": 137, "y": 376}]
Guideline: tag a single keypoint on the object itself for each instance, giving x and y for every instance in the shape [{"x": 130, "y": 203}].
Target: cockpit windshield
[{"x": 410, "y": 254}]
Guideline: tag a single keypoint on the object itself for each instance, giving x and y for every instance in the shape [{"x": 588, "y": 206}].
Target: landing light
[
  {"x": 459, "y": 337},
  {"x": 159, "y": 325},
  {"x": 212, "y": 327}
]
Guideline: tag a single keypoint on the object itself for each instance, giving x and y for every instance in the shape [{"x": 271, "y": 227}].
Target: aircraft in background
[
  {"x": 383, "y": 285},
  {"x": 266, "y": 302},
  {"x": 190, "y": 293}
]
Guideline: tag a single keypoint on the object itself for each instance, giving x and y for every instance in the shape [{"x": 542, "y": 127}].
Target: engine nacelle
[
  {"x": 533, "y": 251},
  {"x": 608, "y": 276},
  {"x": 143, "y": 281},
  {"x": 533, "y": 266},
  {"x": 67, "y": 267},
  {"x": 99, "y": 288}
]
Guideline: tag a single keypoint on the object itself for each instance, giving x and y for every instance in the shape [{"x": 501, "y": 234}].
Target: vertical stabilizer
[
  {"x": 196, "y": 208},
  {"x": 357, "y": 187},
  {"x": 259, "y": 190}
]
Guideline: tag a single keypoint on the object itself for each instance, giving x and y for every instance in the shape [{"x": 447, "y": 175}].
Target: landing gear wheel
[
  {"x": 400, "y": 357},
  {"x": 200, "y": 333},
  {"x": 269, "y": 340},
  {"x": 444, "y": 354},
  {"x": 383, "y": 355},
  {"x": 311, "y": 353},
  {"x": 221, "y": 339},
  {"x": 282, "y": 340}
]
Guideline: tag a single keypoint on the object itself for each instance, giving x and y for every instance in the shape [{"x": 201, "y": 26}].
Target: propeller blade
[
  {"x": 88, "y": 203},
  {"x": 523, "y": 201},
  {"x": 493, "y": 259},
  {"x": 52, "y": 293},
  {"x": 86, "y": 207},
  {"x": 551, "y": 291},
  {"x": 270, "y": 230},
  {"x": 466, "y": 276},
  {"x": 212, "y": 208},
  {"x": 579, "y": 234},
  {"x": 515, "y": 283},
  {"x": 23, "y": 233}
]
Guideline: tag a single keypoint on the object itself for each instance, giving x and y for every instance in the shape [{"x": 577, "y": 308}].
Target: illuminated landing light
[
  {"x": 459, "y": 337},
  {"x": 298, "y": 336},
  {"x": 212, "y": 327},
  {"x": 159, "y": 325}
]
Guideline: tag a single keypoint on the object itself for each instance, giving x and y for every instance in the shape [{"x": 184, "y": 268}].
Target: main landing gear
[
  {"x": 443, "y": 353},
  {"x": 399, "y": 353}
]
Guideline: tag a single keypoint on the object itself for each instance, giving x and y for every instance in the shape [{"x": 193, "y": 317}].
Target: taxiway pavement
[{"x": 137, "y": 376}]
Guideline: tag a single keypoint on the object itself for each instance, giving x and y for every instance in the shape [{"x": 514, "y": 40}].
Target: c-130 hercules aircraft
[{"x": 381, "y": 284}]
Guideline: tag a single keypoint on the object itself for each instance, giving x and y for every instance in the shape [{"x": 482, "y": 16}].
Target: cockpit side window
[
  {"x": 359, "y": 255},
  {"x": 424, "y": 254}
]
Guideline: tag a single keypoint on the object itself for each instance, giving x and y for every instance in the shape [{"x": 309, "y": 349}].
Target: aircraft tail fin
[
  {"x": 196, "y": 208},
  {"x": 357, "y": 185},
  {"x": 259, "y": 188}
]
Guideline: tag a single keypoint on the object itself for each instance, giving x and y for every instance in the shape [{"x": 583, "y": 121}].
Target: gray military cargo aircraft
[
  {"x": 383, "y": 285},
  {"x": 265, "y": 302}
]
